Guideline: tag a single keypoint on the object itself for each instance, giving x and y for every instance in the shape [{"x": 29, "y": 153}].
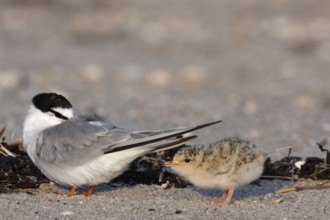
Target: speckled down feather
[
  {"x": 233, "y": 161},
  {"x": 226, "y": 164}
]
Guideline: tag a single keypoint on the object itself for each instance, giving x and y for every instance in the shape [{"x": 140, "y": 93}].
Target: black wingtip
[
  {"x": 208, "y": 124},
  {"x": 200, "y": 127}
]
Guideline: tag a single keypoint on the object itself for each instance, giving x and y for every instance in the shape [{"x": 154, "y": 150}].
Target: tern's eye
[{"x": 187, "y": 160}]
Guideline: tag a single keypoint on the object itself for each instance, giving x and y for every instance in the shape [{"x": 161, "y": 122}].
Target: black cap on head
[{"x": 47, "y": 101}]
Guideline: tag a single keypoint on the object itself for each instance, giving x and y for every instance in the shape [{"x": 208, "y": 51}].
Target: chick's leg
[
  {"x": 230, "y": 192},
  {"x": 220, "y": 200},
  {"x": 225, "y": 198}
]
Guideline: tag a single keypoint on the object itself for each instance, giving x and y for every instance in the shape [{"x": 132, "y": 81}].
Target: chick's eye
[{"x": 187, "y": 160}]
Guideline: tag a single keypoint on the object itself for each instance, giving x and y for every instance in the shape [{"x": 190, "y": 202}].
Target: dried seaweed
[
  {"x": 20, "y": 172},
  {"x": 314, "y": 168},
  {"x": 149, "y": 169},
  {"x": 4, "y": 151}
]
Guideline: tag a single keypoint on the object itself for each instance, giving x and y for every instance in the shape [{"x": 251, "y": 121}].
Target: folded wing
[{"x": 75, "y": 142}]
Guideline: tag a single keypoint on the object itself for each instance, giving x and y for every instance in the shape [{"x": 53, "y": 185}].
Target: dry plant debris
[{"x": 311, "y": 170}]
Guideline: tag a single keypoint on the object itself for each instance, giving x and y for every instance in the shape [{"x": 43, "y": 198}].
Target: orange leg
[
  {"x": 90, "y": 191},
  {"x": 73, "y": 190}
]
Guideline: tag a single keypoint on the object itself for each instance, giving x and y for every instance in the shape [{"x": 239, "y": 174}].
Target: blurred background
[{"x": 262, "y": 67}]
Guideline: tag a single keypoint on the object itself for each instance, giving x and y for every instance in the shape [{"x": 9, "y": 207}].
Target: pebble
[
  {"x": 250, "y": 107},
  {"x": 193, "y": 76},
  {"x": 66, "y": 213},
  {"x": 92, "y": 73},
  {"x": 159, "y": 78},
  {"x": 9, "y": 80}
]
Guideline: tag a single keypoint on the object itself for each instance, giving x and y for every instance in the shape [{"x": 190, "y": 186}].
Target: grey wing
[{"x": 77, "y": 141}]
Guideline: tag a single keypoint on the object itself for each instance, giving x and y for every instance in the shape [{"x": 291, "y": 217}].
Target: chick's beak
[{"x": 171, "y": 164}]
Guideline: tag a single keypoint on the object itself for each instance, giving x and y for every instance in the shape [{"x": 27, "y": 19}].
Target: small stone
[
  {"x": 253, "y": 134},
  {"x": 92, "y": 73},
  {"x": 159, "y": 78},
  {"x": 9, "y": 80},
  {"x": 250, "y": 107},
  {"x": 277, "y": 201},
  {"x": 165, "y": 185},
  {"x": 299, "y": 164},
  {"x": 193, "y": 76},
  {"x": 305, "y": 101},
  {"x": 178, "y": 212},
  {"x": 65, "y": 213}
]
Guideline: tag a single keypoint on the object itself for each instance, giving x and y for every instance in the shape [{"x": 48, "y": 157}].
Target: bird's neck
[{"x": 34, "y": 123}]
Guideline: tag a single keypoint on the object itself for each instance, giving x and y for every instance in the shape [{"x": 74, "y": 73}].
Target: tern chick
[
  {"x": 76, "y": 150},
  {"x": 226, "y": 165}
]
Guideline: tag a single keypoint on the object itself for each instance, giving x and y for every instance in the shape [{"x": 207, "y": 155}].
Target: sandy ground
[
  {"x": 146, "y": 64},
  {"x": 153, "y": 202}
]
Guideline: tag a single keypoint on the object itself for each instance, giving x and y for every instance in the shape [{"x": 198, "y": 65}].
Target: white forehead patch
[{"x": 67, "y": 112}]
